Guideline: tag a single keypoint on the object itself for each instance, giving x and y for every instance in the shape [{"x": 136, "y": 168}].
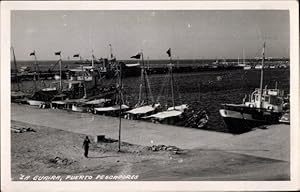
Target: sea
[{"x": 205, "y": 90}]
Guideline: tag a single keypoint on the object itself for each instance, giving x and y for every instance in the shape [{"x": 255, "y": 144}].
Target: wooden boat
[
  {"x": 247, "y": 67},
  {"x": 110, "y": 110},
  {"x": 140, "y": 112},
  {"x": 173, "y": 114},
  {"x": 42, "y": 98},
  {"x": 143, "y": 107}
]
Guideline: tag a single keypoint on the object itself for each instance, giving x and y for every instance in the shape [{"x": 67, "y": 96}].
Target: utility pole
[{"x": 120, "y": 103}]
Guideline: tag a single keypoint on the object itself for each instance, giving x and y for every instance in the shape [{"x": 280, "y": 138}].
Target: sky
[{"x": 191, "y": 34}]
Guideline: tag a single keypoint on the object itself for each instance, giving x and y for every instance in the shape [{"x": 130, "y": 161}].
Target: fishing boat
[
  {"x": 285, "y": 118},
  {"x": 84, "y": 90},
  {"x": 143, "y": 107},
  {"x": 17, "y": 95},
  {"x": 59, "y": 101},
  {"x": 43, "y": 97},
  {"x": 173, "y": 114},
  {"x": 265, "y": 106},
  {"x": 247, "y": 67},
  {"x": 117, "y": 106},
  {"x": 111, "y": 110},
  {"x": 244, "y": 65},
  {"x": 258, "y": 66}
]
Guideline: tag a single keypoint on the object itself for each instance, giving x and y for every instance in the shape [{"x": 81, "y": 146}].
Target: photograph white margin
[{"x": 8, "y": 185}]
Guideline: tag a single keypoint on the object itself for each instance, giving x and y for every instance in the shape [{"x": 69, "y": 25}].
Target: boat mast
[
  {"x": 83, "y": 82},
  {"x": 16, "y": 68},
  {"x": 37, "y": 65},
  {"x": 92, "y": 58},
  {"x": 148, "y": 63},
  {"x": 244, "y": 57},
  {"x": 35, "y": 69},
  {"x": 262, "y": 75},
  {"x": 60, "y": 73},
  {"x": 172, "y": 78},
  {"x": 110, "y": 50},
  {"x": 144, "y": 77}
]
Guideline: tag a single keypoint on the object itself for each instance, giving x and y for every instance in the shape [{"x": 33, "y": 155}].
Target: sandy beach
[{"x": 55, "y": 148}]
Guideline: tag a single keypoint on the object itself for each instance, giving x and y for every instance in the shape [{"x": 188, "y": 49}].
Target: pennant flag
[
  {"x": 169, "y": 52},
  {"x": 33, "y": 53},
  {"x": 57, "y": 53},
  {"x": 76, "y": 55},
  {"x": 138, "y": 56}
]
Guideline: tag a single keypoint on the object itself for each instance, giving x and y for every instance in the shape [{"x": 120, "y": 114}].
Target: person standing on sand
[{"x": 85, "y": 146}]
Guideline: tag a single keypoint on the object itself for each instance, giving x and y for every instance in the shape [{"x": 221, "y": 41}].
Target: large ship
[{"x": 265, "y": 106}]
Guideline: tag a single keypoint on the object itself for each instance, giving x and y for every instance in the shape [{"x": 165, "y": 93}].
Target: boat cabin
[
  {"x": 272, "y": 100},
  {"x": 86, "y": 75}
]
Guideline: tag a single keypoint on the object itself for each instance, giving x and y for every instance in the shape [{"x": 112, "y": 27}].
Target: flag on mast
[
  {"x": 137, "y": 56},
  {"x": 57, "y": 53},
  {"x": 169, "y": 52},
  {"x": 32, "y": 53},
  {"x": 76, "y": 55}
]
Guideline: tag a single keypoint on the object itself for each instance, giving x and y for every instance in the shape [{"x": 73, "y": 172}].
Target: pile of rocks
[
  {"x": 60, "y": 161},
  {"x": 22, "y": 129},
  {"x": 164, "y": 148}
]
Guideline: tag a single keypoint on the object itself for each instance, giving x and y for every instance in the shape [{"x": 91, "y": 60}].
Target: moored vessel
[
  {"x": 174, "y": 114},
  {"x": 265, "y": 106},
  {"x": 143, "y": 107}
]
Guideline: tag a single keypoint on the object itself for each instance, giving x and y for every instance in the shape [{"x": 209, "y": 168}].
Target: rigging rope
[
  {"x": 162, "y": 87},
  {"x": 149, "y": 87}
]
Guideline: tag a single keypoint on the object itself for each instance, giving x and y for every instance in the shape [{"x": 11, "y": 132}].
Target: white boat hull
[
  {"x": 35, "y": 102},
  {"x": 79, "y": 108}
]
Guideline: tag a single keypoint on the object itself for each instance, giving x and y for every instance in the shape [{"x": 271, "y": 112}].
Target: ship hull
[
  {"x": 35, "y": 102},
  {"x": 241, "y": 119}
]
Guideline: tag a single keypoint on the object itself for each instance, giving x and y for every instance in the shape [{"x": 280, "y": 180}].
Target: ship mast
[
  {"x": 244, "y": 57},
  {"x": 92, "y": 58},
  {"x": 16, "y": 68},
  {"x": 35, "y": 70},
  {"x": 172, "y": 77},
  {"x": 60, "y": 73},
  {"x": 144, "y": 77},
  {"x": 262, "y": 75}
]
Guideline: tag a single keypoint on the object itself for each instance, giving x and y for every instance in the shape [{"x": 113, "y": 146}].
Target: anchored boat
[
  {"x": 265, "y": 106},
  {"x": 173, "y": 114},
  {"x": 143, "y": 107}
]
